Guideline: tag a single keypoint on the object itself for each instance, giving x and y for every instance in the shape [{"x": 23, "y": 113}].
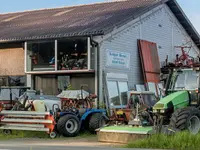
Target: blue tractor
[{"x": 77, "y": 113}]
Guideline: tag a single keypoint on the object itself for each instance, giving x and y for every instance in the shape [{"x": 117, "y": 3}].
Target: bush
[{"x": 181, "y": 141}]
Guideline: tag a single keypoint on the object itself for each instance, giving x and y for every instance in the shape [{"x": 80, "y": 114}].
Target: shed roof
[{"x": 81, "y": 20}]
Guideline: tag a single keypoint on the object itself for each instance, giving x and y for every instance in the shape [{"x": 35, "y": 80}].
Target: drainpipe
[{"x": 96, "y": 44}]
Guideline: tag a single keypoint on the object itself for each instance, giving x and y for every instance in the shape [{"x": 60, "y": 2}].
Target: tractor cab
[
  {"x": 184, "y": 79},
  {"x": 181, "y": 96},
  {"x": 181, "y": 90}
]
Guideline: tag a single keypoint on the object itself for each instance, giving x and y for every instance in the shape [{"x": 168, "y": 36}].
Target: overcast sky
[{"x": 190, "y": 7}]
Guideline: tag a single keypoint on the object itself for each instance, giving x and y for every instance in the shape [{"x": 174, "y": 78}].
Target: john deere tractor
[{"x": 179, "y": 108}]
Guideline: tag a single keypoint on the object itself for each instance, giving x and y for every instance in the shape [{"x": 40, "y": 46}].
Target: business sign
[{"x": 118, "y": 59}]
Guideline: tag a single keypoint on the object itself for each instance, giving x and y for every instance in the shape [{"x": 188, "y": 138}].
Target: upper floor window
[
  {"x": 72, "y": 54},
  {"x": 41, "y": 56},
  {"x": 60, "y": 55}
]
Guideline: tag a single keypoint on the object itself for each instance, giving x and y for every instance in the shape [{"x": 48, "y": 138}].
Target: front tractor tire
[
  {"x": 96, "y": 121},
  {"x": 69, "y": 125},
  {"x": 186, "y": 119}
]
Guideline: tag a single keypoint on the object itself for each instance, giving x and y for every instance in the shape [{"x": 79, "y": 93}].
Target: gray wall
[{"x": 158, "y": 25}]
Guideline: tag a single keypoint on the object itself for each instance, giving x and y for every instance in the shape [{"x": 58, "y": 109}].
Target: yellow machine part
[
  {"x": 39, "y": 106},
  {"x": 120, "y": 112}
]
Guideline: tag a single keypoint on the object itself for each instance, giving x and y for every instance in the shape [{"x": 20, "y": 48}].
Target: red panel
[{"x": 150, "y": 61}]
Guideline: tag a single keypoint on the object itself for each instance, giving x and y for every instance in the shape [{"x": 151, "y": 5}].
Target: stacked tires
[{"x": 186, "y": 119}]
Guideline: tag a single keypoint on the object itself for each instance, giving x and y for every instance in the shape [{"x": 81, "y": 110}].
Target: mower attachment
[{"x": 28, "y": 121}]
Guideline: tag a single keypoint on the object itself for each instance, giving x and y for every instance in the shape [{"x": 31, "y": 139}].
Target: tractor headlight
[
  {"x": 162, "y": 111},
  {"x": 155, "y": 111},
  {"x": 158, "y": 111}
]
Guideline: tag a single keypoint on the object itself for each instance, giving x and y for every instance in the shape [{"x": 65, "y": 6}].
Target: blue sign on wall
[{"x": 118, "y": 59}]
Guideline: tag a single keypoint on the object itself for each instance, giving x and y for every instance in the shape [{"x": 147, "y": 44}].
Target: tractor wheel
[
  {"x": 96, "y": 121},
  {"x": 186, "y": 119},
  {"x": 69, "y": 126}
]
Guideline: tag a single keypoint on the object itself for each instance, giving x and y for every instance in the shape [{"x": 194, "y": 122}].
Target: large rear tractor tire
[
  {"x": 96, "y": 121},
  {"x": 69, "y": 125},
  {"x": 186, "y": 119}
]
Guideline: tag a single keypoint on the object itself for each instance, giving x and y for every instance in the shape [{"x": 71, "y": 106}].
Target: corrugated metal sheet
[
  {"x": 48, "y": 84},
  {"x": 83, "y": 20},
  {"x": 77, "y": 81},
  {"x": 93, "y": 19},
  {"x": 150, "y": 61}
]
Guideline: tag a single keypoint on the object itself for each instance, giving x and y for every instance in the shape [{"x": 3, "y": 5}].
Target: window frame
[
  {"x": 117, "y": 79},
  {"x": 56, "y": 58},
  {"x": 26, "y": 56}
]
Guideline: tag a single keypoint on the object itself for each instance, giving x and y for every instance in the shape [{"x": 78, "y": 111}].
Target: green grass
[
  {"x": 180, "y": 141},
  {"x": 43, "y": 135},
  {"x": 23, "y": 134},
  {"x": 86, "y": 135}
]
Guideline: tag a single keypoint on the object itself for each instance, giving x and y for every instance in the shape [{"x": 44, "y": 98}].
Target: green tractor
[{"x": 179, "y": 108}]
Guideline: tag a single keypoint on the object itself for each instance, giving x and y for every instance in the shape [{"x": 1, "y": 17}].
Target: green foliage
[
  {"x": 102, "y": 105},
  {"x": 181, "y": 141},
  {"x": 69, "y": 87}
]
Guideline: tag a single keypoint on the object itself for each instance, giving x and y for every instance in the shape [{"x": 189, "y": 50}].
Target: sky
[{"x": 190, "y": 7}]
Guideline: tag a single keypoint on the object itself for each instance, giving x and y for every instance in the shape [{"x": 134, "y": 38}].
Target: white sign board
[{"x": 118, "y": 59}]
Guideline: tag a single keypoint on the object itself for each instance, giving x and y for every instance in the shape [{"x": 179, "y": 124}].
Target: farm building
[{"x": 95, "y": 44}]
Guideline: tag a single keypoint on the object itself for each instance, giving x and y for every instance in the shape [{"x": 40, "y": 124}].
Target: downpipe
[{"x": 96, "y": 44}]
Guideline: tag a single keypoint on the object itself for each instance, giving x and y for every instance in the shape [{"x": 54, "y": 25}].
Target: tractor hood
[{"x": 177, "y": 100}]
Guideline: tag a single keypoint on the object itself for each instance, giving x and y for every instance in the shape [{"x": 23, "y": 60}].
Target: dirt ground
[{"x": 79, "y": 142}]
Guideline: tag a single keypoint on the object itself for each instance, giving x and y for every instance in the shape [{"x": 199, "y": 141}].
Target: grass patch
[
  {"x": 23, "y": 134},
  {"x": 42, "y": 135},
  {"x": 179, "y": 141},
  {"x": 86, "y": 135}
]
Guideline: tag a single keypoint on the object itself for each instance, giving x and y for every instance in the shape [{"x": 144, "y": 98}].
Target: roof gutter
[{"x": 52, "y": 37}]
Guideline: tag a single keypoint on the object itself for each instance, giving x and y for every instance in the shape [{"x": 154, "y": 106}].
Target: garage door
[{"x": 12, "y": 62}]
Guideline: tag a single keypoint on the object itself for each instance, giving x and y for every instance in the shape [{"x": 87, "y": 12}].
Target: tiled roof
[
  {"x": 92, "y": 19},
  {"x": 82, "y": 20}
]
